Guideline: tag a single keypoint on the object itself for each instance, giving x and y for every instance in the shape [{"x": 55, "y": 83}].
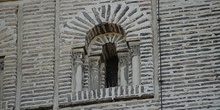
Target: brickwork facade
[
  {"x": 8, "y": 55},
  {"x": 50, "y": 51}
]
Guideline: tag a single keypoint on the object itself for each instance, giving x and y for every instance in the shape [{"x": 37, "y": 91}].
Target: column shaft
[
  {"x": 135, "y": 55},
  {"x": 136, "y": 70},
  {"x": 77, "y": 75},
  {"x": 123, "y": 69},
  {"x": 94, "y": 72}
]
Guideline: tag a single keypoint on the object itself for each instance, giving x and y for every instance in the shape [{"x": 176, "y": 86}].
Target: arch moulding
[{"x": 127, "y": 20}]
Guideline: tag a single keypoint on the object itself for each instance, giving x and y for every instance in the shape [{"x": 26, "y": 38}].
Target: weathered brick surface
[
  {"x": 38, "y": 53},
  {"x": 190, "y": 54},
  {"x": 8, "y": 22},
  {"x": 190, "y": 34}
]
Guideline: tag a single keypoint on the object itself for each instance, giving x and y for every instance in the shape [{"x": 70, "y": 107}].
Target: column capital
[
  {"x": 123, "y": 58},
  {"x": 94, "y": 60},
  {"x": 78, "y": 54},
  {"x": 134, "y": 47}
]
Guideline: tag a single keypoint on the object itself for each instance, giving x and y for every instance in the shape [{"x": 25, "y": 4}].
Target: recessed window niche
[{"x": 107, "y": 59}]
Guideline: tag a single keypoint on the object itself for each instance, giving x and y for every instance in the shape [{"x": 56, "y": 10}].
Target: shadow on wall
[{"x": 7, "y": 0}]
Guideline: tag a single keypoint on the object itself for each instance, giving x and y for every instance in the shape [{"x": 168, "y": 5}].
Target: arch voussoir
[{"x": 108, "y": 18}]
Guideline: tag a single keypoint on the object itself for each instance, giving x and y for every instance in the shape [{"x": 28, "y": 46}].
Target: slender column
[
  {"x": 155, "y": 48},
  {"x": 77, "y": 75},
  {"x": 19, "y": 57},
  {"x": 123, "y": 68},
  {"x": 135, "y": 55},
  {"x": 94, "y": 72},
  {"x": 57, "y": 56}
]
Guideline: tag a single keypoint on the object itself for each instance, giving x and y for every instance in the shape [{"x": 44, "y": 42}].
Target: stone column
[
  {"x": 77, "y": 75},
  {"x": 123, "y": 68},
  {"x": 94, "y": 72},
  {"x": 135, "y": 55}
]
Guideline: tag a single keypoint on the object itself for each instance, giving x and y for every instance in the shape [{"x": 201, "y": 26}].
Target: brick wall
[
  {"x": 38, "y": 53},
  {"x": 8, "y": 25},
  {"x": 190, "y": 54}
]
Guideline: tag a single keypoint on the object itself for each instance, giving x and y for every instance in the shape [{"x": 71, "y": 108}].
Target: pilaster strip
[
  {"x": 57, "y": 56},
  {"x": 155, "y": 48},
  {"x": 19, "y": 56}
]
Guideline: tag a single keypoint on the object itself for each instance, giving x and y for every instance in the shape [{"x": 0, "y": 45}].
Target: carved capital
[
  {"x": 78, "y": 55},
  {"x": 94, "y": 61},
  {"x": 123, "y": 58},
  {"x": 134, "y": 48}
]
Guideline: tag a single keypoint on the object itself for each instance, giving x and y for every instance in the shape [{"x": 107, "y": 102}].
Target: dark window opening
[
  {"x": 1, "y": 76},
  {"x": 111, "y": 65},
  {"x": 1, "y": 63}
]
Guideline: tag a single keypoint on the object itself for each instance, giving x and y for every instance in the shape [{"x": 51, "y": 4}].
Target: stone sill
[
  {"x": 106, "y": 100},
  {"x": 104, "y": 95},
  {"x": 113, "y": 94}
]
